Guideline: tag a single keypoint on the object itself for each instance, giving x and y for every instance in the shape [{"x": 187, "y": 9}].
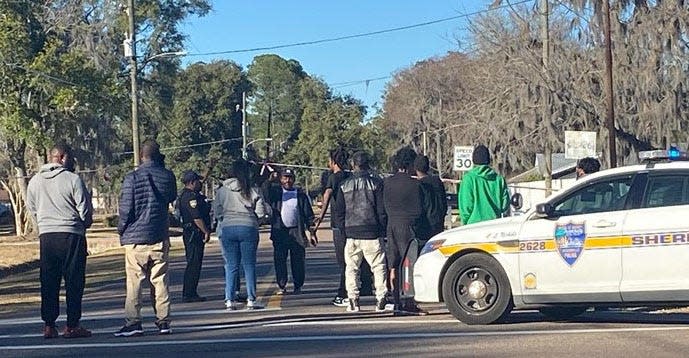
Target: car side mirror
[
  {"x": 545, "y": 209},
  {"x": 517, "y": 201}
]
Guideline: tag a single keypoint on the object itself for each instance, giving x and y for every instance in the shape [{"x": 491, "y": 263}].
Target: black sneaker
[
  {"x": 163, "y": 327},
  {"x": 410, "y": 310},
  {"x": 380, "y": 304},
  {"x": 340, "y": 301},
  {"x": 130, "y": 331},
  {"x": 353, "y": 305}
]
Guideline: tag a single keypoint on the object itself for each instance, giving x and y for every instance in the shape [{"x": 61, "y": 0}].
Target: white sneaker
[
  {"x": 230, "y": 305},
  {"x": 253, "y": 305}
]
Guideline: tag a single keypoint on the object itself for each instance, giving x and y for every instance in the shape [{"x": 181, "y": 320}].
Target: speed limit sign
[{"x": 463, "y": 160}]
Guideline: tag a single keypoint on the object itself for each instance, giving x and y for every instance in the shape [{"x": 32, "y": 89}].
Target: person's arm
[
  {"x": 326, "y": 201},
  {"x": 380, "y": 210},
  {"x": 339, "y": 209},
  {"x": 262, "y": 210},
  {"x": 126, "y": 207},
  {"x": 84, "y": 205},
  {"x": 193, "y": 205},
  {"x": 505, "y": 196},
  {"x": 172, "y": 194},
  {"x": 466, "y": 199},
  {"x": 427, "y": 202},
  {"x": 31, "y": 199},
  {"x": 217, "y": 204}
]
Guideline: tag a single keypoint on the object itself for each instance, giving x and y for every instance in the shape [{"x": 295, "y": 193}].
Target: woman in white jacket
[{"x": 238, "y": 207}]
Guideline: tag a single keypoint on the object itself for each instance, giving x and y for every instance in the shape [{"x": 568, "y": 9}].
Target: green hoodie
[{"x": 483, "y": 195}]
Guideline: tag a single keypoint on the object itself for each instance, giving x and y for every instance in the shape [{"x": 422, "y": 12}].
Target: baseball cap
[
  {"x": 189, "y": 175},
  {"x": 289, "y": 172}
]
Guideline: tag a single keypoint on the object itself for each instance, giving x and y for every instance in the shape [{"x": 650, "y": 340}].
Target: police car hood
[{"x": 486, "y": 231}]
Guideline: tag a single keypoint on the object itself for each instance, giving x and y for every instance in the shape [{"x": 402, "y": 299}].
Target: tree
[
  {"x": 275, "y": 97},
  {"x": 327, "y": 121},
  {"x": 205, "y": 112}
]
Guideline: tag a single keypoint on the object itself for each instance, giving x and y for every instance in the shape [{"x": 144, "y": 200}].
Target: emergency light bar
[{"x": 671, "y": 154}]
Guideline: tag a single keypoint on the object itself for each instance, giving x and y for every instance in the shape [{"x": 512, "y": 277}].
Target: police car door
[
  {"x": 573, "y": 253},
  {"x": 655, "y": 259}
]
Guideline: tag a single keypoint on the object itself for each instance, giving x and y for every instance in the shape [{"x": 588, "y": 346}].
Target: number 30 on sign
[{"x": 463, "y": 158}]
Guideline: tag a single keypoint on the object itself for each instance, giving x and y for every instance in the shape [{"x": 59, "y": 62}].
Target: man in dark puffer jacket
[{"x": 146, "y": 195}]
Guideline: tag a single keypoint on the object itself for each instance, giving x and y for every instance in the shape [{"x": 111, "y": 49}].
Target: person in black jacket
[
  {"x": 292, "y": 216},
  {"x": 360, "y": 210},
  {"x": 406, "y": 208},
  {"x": 146, "y": 195},
  {"x": 338, "y": 166},
  {"x": 436, "y": 197}
]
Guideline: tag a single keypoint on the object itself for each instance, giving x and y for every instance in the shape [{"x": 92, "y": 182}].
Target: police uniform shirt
[{"x": 192, "y": 206}]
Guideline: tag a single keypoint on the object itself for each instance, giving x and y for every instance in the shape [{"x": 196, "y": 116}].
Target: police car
[{"x": 616, "y": 238}]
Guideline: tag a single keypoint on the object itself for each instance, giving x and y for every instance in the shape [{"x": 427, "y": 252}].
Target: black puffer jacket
[
  {"x": 146, "y": 195},
  {"x": 361, "y": 206}
]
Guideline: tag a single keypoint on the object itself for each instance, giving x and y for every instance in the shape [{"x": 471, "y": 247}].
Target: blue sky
[{"x": 237, "y": 25}]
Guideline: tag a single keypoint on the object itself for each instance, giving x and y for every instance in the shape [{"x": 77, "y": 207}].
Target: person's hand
[
  {"x": 207, "y": 237},
  {"x": 314, "y": 237}
]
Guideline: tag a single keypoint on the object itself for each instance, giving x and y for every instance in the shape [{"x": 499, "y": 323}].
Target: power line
[
  {"x": 352, "y": 83},
  {"x": 365, "y": 34},
  {"x": 189, "y": 145}
]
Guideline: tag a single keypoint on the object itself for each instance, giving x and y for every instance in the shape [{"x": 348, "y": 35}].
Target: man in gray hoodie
[{"x": 61, "y": 205}]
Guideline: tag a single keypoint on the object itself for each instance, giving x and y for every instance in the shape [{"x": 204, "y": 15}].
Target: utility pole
[
  {"x": 610, "y": 99},
  {"x": 438, "y": 147},
  {"x": 438, "y": 155},
  {"x": 270, "y": 118},
  {"x": 133, "y": 75},
  {"x": 244, "y": 154},
  {"x": 548, "y": 149}
]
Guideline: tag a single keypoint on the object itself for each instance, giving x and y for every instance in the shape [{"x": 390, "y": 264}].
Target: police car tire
[
  {"x": 501, "y": 306},
  {"x": 561, "y": 313}
]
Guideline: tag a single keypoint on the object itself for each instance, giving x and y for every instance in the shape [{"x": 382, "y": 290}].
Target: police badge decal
[{"x": 570, "y": 239}]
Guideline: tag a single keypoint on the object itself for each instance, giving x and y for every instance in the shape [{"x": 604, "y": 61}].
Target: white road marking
[
  {"x": 359, "y": 322},
  {"x": 145, "y": 314},
  {"x": 338, "y": 338}
]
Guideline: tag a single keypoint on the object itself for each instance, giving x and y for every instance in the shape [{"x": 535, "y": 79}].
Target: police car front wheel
[{"x": 476, "y": 290}]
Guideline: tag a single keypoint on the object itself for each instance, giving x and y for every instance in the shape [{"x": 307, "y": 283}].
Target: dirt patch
[{"x": 16, "y": 255}]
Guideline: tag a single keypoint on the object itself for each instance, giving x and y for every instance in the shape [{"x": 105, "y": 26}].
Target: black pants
[
  {"x": 400, "y": 233},
  {"x": 366, "y": 276},
  {"x": 193, "y": 249},
  {"x": 63, "y": 255},
  {"x": 286, "y": 242}
]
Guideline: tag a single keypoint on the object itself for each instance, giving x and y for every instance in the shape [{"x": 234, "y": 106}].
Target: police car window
[
  {"x": 667, "y": 190},
  {"x": 597, "y": 197}
]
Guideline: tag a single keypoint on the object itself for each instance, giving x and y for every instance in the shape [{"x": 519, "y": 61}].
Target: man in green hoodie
[{"x": 483, "y": 193}]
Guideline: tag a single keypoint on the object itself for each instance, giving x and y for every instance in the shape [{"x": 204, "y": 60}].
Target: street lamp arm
[
  {"x": 165, "y": 54},
  {"x": 259, "y": 140}
]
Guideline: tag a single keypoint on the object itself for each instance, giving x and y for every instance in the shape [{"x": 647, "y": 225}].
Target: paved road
[{"x": 307, "y": 325}]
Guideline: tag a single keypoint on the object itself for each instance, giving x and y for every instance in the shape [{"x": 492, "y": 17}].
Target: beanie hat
[{"x": 481, "y": 156}]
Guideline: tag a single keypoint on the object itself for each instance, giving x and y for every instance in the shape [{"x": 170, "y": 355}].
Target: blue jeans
[{"x": 239, "y": 243}]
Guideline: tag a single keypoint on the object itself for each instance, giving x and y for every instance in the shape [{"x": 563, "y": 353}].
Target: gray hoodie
[
  {"x": 232, "y": 209},
  {"x": 59, "y": 201}
]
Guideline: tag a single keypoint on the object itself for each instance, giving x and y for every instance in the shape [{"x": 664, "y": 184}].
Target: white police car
[{"x": 619, "y": 237}]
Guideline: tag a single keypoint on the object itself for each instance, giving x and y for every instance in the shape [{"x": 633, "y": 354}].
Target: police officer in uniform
[{"x": 196, "y": 221}]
